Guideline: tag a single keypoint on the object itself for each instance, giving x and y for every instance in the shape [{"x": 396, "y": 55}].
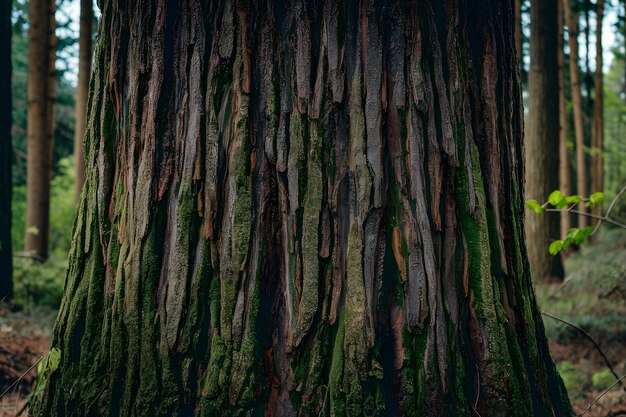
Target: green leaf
[
  {"x": 555, "y": 247},
  {"x": 50, "y": 364},
  {"x": 579, "y": 236},
  {"x": 555, "y": 198},
  {"x": 535, "y": 206},
  {"x": 54, "y": 358},
  {"x": 572, "y": 231},
  {"x": 566, "y": 243},
  {"x": 588, "y": 230},
  {"x": 41, "y": 366},
  {"x": 596, "y": 198},
  {"x": 562, "y": 204},
  {"x": 573, "y": 199}
]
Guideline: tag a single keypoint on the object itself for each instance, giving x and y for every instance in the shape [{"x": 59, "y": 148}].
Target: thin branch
[
  {"x": 588, "y": 336},
  {"x": 17, "y": 381},
  {"x": 608, "y": 211},
  {"x": 593, "y": 216},
  {"x": 602, "y": 395}
]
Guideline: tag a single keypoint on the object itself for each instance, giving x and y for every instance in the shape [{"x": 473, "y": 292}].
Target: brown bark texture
[
  {"x": 542, "y": 138},
  {"x": 577, "y": 103},
  {"x": 302, "y": 209},
  {"x": 6, "y": 152},
  {"x": 41, "y": 91},
  {"x": 597, "y": 127},
  {"x": 82, "y": 88},
  {"x": 565, "y": 184}
]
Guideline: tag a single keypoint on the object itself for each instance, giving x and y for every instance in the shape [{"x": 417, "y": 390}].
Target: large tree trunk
[
  {"x": 597, "y": 131},
  {"x": 41, "y": 88},
  {"x": 564, "y": 160},
  {"x": 302, "y": 208},
  {"x": 542, "y": 137},
  {"x": 82, "y": 88},
  {"x": 577, "y": 102},
  {"x": 6, "y": 151}
]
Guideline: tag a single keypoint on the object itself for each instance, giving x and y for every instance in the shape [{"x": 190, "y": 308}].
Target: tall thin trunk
[
  {"x": 588, "y": 79},
  {"x": 564, "y": 161},
  {"x": 577, "y": 101},
  {"x": 6, "y": 151},
  {"x": 52, "y": 85},
  {"x": 40, "y": 130},
  {"x": 301, "y": 210},
  {"x": 542, "y": 137},
  {"x": 597, "y": 131},
  {"x": 518, "y": 31},
  {"x": 82, "y": 88}
]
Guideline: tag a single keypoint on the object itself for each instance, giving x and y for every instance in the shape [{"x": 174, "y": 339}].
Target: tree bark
[
  {"x": 82, "y": 88},
  {"x": 564, "y": 160},
  {"x": 302, "y": 208},
  {"x": 597, "y": 131},
  {"x": 542, "y": 138},
  {"x": 6, "y": 151},
  {"x": 577, "y": 102},
  {"x": 41, "y": 88},
  {"x": 518, "y": 32}
]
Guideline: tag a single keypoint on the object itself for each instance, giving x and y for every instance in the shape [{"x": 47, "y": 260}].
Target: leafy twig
[{"x": 566, "y": 204}]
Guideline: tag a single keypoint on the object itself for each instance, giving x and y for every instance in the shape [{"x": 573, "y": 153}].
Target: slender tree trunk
[
  {"x": 294, "y": 208},
  {"x": 597, "y": 132},
  {"x": 518, "y": 32},
  {"x": 6, "y": 151},
  {"x": 564, "y": 161},
  {"x": 40, "y": 126},
  {"x": 542, "y": 137},
  {"x": 82, "y": 88},
  {"x": 588, "y": 80},
  {"x": 577, "y": 101}
]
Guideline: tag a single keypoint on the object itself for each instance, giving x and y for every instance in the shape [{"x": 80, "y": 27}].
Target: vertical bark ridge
[{"x": 304, "y": 208}]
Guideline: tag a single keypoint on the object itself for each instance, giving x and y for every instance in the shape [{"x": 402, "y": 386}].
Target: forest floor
[
  {"x": 24, "y": 339},
  {"x": 593, "y": 297}
]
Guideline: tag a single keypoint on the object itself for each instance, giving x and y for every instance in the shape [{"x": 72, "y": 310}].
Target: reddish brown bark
[
  {"x": 542, "y": 138},
  {"x": 41, "y": 90},
  {"x": 82, "y": 88},
  {"x": 564, "y": 160},
  {"x": 577, "y": 102}
]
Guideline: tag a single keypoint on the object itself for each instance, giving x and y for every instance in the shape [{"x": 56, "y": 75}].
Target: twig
[
  {"x": 608, "y": 211},
  {"x": 17, "y": 381},
  {"x": 602, "y": 395},
  {"x": 588, "y": 336},
  {"x": 19, "y": 413},
  {"x": 593, "y": 216},
  {"x": 17, "y": 400}
]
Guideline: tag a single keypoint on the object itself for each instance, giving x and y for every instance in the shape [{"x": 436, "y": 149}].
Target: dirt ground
[{"x": 24, "y": 338}]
